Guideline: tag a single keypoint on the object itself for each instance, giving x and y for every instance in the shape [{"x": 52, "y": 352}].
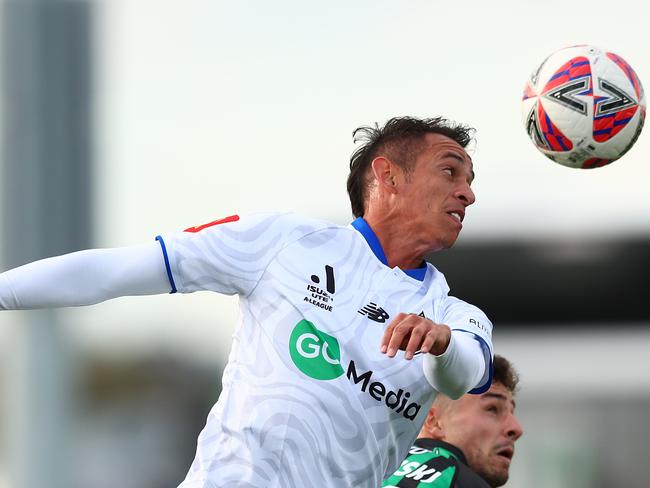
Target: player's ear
[
  {"x": 385, "y": 173},
  {"x": 432, "y": 425}
]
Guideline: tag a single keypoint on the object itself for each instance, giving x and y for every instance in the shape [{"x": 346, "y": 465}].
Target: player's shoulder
[
  {"x": 259, "y": 223},
  {"x": 453, "y": 304},
  {"x": 459, "y": 314},
  {"x": 261, "y": 232},
  {"x": 288, "y": 223}
]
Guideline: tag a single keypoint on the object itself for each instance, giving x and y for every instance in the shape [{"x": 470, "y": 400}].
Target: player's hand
[{"x": 411, "y": 333}]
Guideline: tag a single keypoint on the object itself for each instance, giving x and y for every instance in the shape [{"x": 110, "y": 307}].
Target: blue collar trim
[{"x": 371, "y": 238}]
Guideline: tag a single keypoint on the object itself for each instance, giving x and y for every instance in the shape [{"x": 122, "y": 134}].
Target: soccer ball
[{"x": 583, "y": 107}]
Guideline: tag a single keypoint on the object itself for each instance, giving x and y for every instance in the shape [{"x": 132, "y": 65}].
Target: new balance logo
[{"x": 374, "y": 312}]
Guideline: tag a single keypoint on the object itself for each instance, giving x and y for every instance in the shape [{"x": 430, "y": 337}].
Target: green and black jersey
[{"x": 435, "y": 464}]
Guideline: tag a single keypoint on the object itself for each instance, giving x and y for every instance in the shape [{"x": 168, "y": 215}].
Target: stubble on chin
[{"x": 494, "y": 478}]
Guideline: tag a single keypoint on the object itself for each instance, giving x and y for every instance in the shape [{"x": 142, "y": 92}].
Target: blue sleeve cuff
[
  {"x": 486, "y": 381},
  {"x": 169, "y": 270},
  {"x": 487, "y": 376}
]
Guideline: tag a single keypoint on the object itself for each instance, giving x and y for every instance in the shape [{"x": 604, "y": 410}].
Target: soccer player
[
  {"x": 346, "y": 333},
  {"x": 466, "y": 443}
]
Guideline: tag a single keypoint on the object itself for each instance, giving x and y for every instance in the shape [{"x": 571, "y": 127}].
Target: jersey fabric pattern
[
  {"x": 307, "y": 398},
  {"x": 434, "y": 464}
]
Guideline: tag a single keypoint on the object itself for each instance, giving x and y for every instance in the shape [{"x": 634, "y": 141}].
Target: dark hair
[
  {"x": 400, "y": 139},
  {"x": 504, "y": 373}
]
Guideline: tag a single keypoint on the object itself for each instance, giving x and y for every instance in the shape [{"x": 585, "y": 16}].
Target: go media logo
[
  {"x": 314, "y": 352},
  {"x": 318, "y": 355}
]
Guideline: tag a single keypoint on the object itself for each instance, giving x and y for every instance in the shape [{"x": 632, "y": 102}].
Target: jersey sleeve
[
  {"x": 465, "y": 318},
  {"x": 228, "y": 256},
  {"x": 84, "y": 278}
]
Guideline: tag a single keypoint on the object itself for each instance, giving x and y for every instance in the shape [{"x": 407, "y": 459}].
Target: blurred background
[{"x": 124, "y": 119}]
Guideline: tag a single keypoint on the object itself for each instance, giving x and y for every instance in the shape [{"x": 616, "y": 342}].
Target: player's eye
[{"x": 449, "y": 171}]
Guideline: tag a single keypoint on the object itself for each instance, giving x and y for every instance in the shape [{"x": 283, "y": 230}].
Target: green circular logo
[{"x": 314, "y": 352}]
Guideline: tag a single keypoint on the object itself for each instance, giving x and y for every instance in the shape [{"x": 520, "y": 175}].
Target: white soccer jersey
[{"x": 308, "y": 399}]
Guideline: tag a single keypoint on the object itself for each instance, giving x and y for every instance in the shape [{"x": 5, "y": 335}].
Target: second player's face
[
  {"x": 437, "y": 191},
  {"x": 485, "y": 428}
]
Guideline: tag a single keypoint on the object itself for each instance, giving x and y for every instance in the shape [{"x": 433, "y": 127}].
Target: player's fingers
[
  {"x": 388, "y": 333},
  {"x": 415, "y": 341},
  {"x": 442, "y": 337},
  {"x": 401, "y": 334},
  {"x": 428, "y": 341},
  {"x": 383, "y": 345}
]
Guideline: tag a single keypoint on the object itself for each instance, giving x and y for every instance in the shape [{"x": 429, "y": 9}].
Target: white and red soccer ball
[{"x": 583, "y": 107}]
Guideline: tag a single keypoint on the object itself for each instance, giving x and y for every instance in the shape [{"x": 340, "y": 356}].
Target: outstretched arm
[
  {"x": 85, "y": 278},
  {"x": 453, "y": 360}
]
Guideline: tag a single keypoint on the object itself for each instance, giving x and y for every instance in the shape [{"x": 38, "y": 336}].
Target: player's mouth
[
  {"x": 506, "y": 453},
  {"x": 457, "y": 216}
]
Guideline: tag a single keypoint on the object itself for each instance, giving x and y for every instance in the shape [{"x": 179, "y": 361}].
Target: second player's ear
[
  {"x": 433, "y": 426},
  {"x": 386, "y": 173}
]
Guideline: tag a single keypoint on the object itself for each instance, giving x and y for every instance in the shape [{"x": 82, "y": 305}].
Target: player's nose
[
  {"x": 514, "y": 428},
  {"x": 465, "y": 194}
]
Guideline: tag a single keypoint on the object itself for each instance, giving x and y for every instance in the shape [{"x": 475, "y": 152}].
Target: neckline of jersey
[
  {"x": 431, "y": 444},
  {"x": 371, "y": 238}
]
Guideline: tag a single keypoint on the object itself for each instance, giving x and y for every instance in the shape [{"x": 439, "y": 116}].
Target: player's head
[
  {"x": 417, "y": 170},
  {"x": 483, "y": 426}
]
